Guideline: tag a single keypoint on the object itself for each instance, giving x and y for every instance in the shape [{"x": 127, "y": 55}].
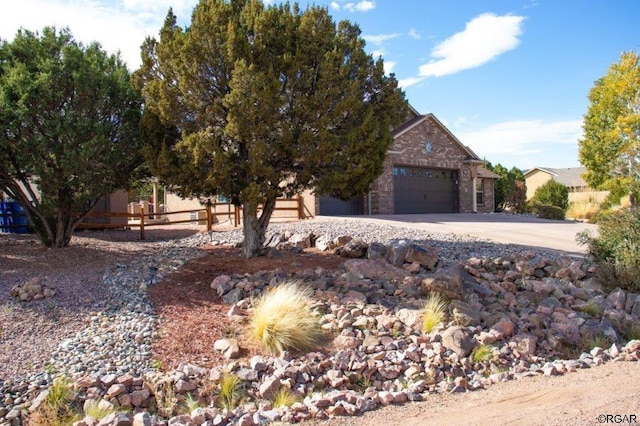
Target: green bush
[
  {"x": 553, "y": 193},
  {"x": 616, "y": 249},
  {"x": 545, "y": 211}
]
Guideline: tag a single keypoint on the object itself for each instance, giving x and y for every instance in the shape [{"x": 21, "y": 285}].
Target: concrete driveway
[{"x": 496, "y": 227}]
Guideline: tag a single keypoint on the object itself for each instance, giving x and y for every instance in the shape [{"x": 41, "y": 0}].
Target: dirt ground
[{"x": 192, "y": 319}]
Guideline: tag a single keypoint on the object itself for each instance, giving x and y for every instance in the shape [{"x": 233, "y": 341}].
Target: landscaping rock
[
  {"x": 425, "y": 256},
  {"x": 447, "y": 282}
]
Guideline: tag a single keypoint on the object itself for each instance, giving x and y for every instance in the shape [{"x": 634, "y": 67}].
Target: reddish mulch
[{"x": 193, "y": 316}]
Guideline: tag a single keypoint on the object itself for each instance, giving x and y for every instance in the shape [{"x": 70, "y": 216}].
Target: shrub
[
  {"x": 545, "y": 211},
  {"x": 433, "y": 312},
  {"x": 616, "y": 249},
  {"x": 553, "y": 193},
  {"x": 584, "y": 210},
  {"x": 283, "y": 319}
]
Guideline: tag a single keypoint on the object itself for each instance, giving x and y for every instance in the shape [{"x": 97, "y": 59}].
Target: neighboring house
[
  {"x": 571, "y": 177},
  {"x": 427, "y": 170}
]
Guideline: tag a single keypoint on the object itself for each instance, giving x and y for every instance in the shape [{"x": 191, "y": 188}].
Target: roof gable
[
  {"x": 413, "y": 122},
  {"x": 569, "y": 176}
]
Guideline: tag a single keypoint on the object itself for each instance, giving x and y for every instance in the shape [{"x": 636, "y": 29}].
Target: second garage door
[{"x": 423, "y": 190}]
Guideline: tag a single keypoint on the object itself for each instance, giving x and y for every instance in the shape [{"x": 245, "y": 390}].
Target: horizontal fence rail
[{"x": 144, "y": 219}]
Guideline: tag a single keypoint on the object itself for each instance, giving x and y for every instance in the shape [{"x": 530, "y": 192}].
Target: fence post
[
  {"x": 209, "y": 218},
  {"x": 142, "y": 222},
  {"x": 236, "y": 215},
  {"x": 300, "y": 210}
]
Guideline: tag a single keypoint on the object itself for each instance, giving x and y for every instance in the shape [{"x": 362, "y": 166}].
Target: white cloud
[
  {"x": 117, "y": 25},
  {"x": 335, "y": 5},
  {"x": 378, "y": 39},
  {"x": 179, "y": 6},
  {"x": 389, "y": 66},
  {"x": 362, "y": 6},
  {"x": 410, "y": 81},
  {"x": 521, "y": 137},
  {"x": 414, "y": 34},
  {"x": 484, "y": 38},
  {"x": 377, "y": 53}
]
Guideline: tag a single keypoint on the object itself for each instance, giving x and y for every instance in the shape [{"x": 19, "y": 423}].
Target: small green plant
[
  {"x": 633, "y": 333},
  {"x": 50, "y": 368},
  {"x": 433, "y": 312},
  {"x": 284, "y": 320},
  {"x": 230, "y": 395},
  {"x": 91, "y": 408},
  {"x": 593, "y": 309},
  {"x": 482, "y": 353},
  {"x": 190, "y": 403},
  {"x": 156, "y": 364},
  {"x": 57, "y": 408},
  {"x": 285, "y": 398},
  {"x": 597, "y": 340},
  {"x": 362, "y": 383}
]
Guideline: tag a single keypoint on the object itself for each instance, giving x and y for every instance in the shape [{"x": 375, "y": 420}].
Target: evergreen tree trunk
[{"x": 255, "y": 227}]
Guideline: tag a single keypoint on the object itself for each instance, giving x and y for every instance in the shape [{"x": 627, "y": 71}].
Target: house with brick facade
[{"x": 426, "y": 170}]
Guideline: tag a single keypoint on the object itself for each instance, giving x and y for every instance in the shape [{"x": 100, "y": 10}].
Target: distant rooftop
[{"x": 570, "y": 176}]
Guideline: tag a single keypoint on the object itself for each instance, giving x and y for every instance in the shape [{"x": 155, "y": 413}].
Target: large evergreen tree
[
  {"x": 256, "y": 102},
  {"x": 610, "y": 148},
  {"x": 70, "y": 126}
]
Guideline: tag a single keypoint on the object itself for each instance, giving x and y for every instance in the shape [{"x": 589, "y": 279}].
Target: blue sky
[{"x": 509, "y": 78}]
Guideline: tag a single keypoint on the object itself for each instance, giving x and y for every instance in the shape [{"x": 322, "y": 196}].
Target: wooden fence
[{"x": 144, "y": 219}]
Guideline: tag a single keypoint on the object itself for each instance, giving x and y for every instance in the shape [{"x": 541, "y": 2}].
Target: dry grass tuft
[
  {"x": 284, "y": 320},
  {"x": 582, "y": 210},
  {"x": 230, "y": 395},
  {"x": 57, "y": 408},
  {"x": 433, "y": 312},
  {"x": 285, "y": 398}
]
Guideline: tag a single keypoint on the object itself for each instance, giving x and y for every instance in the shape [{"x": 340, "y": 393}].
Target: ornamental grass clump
[
  {"x": 433, "y": 312},
  {"x": 283, "y": 319},
  {"x": 482, "y": 353}
]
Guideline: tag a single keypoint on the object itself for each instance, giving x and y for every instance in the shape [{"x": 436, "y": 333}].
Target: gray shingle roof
[{"x": 570, "y": 176}]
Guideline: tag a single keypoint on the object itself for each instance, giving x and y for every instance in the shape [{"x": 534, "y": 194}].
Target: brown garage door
[{"x": 422, "y": 190}]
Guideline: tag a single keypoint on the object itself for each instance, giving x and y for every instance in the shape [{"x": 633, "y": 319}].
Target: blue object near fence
[
  {"x": 19, "y": 219},
  {"x": 12, "y": 218},
  {"x": 5, "y": 217}
]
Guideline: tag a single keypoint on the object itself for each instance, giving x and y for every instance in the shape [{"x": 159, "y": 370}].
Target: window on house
[{"x": 480, "y": 191}]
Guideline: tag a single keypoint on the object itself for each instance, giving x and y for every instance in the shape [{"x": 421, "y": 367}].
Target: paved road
[{"x": 497, "y": 227}]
